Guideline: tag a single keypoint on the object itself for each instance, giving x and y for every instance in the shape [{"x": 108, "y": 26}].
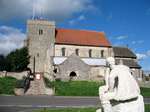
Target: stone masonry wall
[
  {"x": 40, "y": 43},
  {"x": 17, "y": 75},
  {"x": 83, "y": 51},
  {"x": 74, "y": 64},
  {"x": 97, "y": 73}
]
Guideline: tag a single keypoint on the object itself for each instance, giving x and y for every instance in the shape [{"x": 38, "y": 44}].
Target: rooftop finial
[
  {"x": 33, "y": 10},
  {"x": 38, "y": 9}
]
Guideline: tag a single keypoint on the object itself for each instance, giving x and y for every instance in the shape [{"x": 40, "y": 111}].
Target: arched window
[
  {"x": 102, "y": 53},
  {"x": 40, "y": 32},
  {"x": 63, "y": 51},
  {"x": 90, "y": 53},
  {"x": 77, "y": 52}
]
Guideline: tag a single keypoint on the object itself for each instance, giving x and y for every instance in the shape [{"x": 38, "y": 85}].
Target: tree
[
  {"x": 17, "y": 60},
  {"x": 2, "y": 63}
]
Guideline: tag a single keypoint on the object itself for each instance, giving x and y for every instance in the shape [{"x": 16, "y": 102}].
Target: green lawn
[
  {"x": 71, "y": 88},
  {"x": 75, "y": 88},
  {"x": 69, "y": 110},
  {"x": 147, "y": 109},
  {"x": 7, "y": 85},
  {"x": 81, "y": 88},
  {"x": 145, "y": 92}
]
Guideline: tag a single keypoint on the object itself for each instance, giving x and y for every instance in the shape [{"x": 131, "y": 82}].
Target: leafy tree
[
  {"x": 16, "y": 60},
  {"x": 2, "y": 63}
]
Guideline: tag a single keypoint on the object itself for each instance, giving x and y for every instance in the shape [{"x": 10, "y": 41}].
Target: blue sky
[{"x": 125, "y": 22}]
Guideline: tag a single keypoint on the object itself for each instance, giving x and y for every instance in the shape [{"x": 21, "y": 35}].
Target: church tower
[{"x": 41, "y": 39}]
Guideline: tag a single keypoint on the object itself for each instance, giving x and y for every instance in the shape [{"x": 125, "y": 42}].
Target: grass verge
[
  {"x": 145, "y": 92},
  {"x": 81, "y": 88},
  {"x": 7, "y": 85},
  {"x": 74, "y": 88},
  {"x": 147, "y": 109},
  {"x": 69, "y": 110}
]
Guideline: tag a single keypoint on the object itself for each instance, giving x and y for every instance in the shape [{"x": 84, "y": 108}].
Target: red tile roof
[{"x": 81, "y": 37}]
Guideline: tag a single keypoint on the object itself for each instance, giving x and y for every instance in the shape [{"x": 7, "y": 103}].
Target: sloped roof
[
  {"x": 123, "y": 52},
  {"x": 88, "y": 61},
  {"x": 130, "y": 63},
  {"x": 81, "y": 37}
]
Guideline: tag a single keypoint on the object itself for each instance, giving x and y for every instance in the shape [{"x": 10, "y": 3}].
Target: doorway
[{"x": 72, "y": 75}]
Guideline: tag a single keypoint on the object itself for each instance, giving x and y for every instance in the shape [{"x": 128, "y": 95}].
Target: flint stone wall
[{"x": 17, "y": 75}]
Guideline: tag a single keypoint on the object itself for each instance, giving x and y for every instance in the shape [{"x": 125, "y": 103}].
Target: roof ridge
[
  {"x": 82, "y": 30},
  {"x": 120, "y": 47}
]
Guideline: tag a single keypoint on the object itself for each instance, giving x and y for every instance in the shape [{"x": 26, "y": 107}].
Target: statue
[{"x": 121, "y": 92}]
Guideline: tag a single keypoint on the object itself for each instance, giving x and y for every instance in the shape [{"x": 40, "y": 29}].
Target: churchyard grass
[
  {"x": 145, "y": 92},
  {"x": 147, "y": 109},
  {"x": 81, "y": 88},
  {"x": 68, "y": 110},
  {"x": 75, "y": 88},
  {"x": 7, "y": 85}
]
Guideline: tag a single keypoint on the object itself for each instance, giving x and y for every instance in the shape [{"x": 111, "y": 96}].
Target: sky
[{"x": 125, "y": 22}]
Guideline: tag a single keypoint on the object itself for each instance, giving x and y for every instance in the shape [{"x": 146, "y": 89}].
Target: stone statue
[{"x": 121, "y": 92}]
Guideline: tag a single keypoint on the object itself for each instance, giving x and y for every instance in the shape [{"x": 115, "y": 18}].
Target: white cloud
[
  {"x": 72, "y": 22},
  {"x": 78, "y": 19},
  {"x": 52, "y": 9},
  {"x": 148, "y": 52},
  {"x": 10, "y": 39},
  {"x": 122, "y": 37},
  {"x": 81, "y": 17},
  {"x": 138, "y": 42},
  {"x": 141, "y": 56}
]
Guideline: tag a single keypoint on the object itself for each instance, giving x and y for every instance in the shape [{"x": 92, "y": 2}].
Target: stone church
[{"x": 67, "y": 54}]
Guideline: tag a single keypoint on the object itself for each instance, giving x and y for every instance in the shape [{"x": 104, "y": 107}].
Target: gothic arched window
[
  {"x": 102, "y": 53},
  {"x": 90, "y": 53},
  {"x": 63, "y": 51},
  {"x": 77, "y": 52}
]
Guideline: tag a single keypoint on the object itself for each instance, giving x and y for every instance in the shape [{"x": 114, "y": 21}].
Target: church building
[{"x": 67, "y": 54}]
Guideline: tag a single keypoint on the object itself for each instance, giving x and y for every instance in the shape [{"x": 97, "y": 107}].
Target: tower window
[
  {"x": 63, "y": 51},
  {"x": 77, "y": 52},
  {"x": 102, "y": 53},
  {"x": 90, "y": 53},
  {"x": 40, "y": 32},
  {"x": 37, "y": 54}
]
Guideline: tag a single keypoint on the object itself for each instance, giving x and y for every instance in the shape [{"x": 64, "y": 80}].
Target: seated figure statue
[{"x": 121, "y": 92}]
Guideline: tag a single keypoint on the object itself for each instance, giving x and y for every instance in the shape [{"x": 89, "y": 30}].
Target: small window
[
  {"x": 63, "y": 51},
  {"x": 55, "y": 70},
  {"x": 77, "y": 52},
  {"x": 37, "y": 54},
  {"x": 40, "y": 32},
  {"x": 90, "y": 53},
  {"x": 102, "y": 53}
]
